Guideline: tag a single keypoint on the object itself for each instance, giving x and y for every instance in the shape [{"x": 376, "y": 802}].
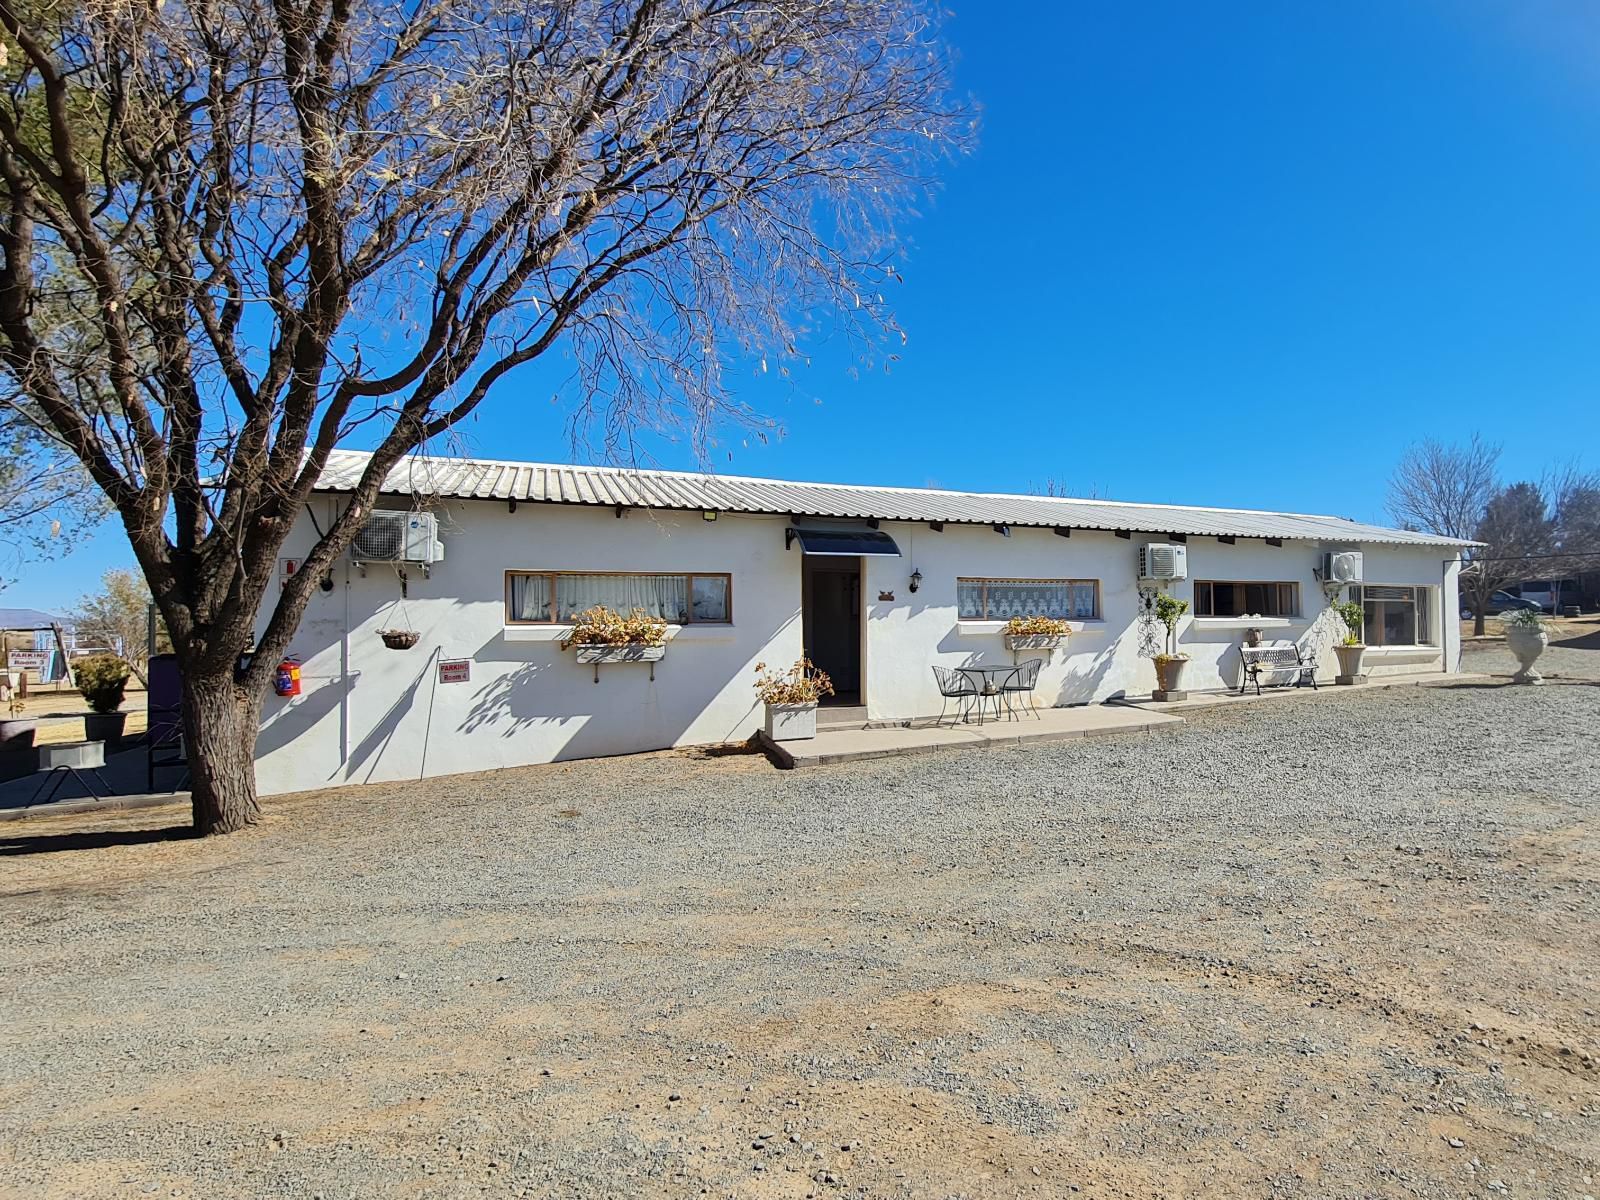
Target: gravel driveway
[{"x": 1331, "y": 945}]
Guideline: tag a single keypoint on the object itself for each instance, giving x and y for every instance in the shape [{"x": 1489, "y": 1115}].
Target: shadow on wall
[
  {"x": 371, "y": 747},
  {"x": 542, "y": 692},
  {"x": 510, "y": 703},
  {"x": 291, "y": 719}
]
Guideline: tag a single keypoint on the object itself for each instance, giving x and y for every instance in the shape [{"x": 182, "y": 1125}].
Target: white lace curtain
[{"x": 664, "y": 596}]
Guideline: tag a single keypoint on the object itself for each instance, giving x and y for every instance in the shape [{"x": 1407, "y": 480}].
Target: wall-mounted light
[
  {"x": 1003, "y": 530},
  {"x": 916, "y": 580},
  {"x": 708, "y": 516}
]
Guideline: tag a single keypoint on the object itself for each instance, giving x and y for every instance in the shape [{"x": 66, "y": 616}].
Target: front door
[{"x": 831, "y": 623}]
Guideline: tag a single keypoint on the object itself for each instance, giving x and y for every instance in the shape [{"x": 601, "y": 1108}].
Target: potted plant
[
  {"x": 791, "y": 698},
  {"x": 102, "y": 679},
  {"x": 1035, "y": 633},
  {"x": 1527, "y": 635},
  {"x": 1352, "y": 650},
  {"x": 601, "y": 635},
  {"x": 1170, "y": 664}
]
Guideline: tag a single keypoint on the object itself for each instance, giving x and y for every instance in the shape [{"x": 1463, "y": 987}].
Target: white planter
[
  {"x": 791, "y": 722},
  {"x": 1527, "y": 645},
  {"x": 1350, "y": 663},
  {"x": 1033, "y": 641},
  {"x": 620, "y": 654}
]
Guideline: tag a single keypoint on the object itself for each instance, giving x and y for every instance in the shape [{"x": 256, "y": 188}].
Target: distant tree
[
  {"x": 1574, "y": 496},
  {"x": 1444, "y": 489},
  {"x": 118, "y": 616},
  {"x": 1519, "y": 535},
  {"x": 1058, "y": 487},
  {"x": 270, "y": 225}
]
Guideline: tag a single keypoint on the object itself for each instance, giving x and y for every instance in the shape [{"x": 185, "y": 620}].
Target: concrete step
[{"x": 841, "y": 716}]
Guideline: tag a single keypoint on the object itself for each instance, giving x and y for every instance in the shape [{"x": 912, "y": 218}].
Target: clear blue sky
[{"x": 1198, "y": 238}]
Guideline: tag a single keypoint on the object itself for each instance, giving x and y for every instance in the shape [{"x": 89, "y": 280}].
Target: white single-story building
[{"x": 876, "y": 584}]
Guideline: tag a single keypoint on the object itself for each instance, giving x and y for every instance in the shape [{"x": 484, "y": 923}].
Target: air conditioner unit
[
  {"x": 403, "y": 537},
  {"x": 1163, "y": 560},
  {"x": 1341, "y": 566}
]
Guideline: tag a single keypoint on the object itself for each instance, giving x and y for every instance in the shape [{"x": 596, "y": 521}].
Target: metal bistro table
[{"x": 987, "y": 682}]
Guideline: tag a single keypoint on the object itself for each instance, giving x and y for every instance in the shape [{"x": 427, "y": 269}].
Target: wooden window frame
[
  {"x": 555, "y": 576},
  {"x": 986, "y": 580},
  {"x": 1294, "y": 614}
]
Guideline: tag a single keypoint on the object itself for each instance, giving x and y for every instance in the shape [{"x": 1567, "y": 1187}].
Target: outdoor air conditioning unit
[
  {"x": 1163, "y": 560},
  {"x": 1341, "y": 566},
  {"x": 398, "y": 537}
]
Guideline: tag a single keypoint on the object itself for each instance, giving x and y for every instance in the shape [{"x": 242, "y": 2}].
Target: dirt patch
[{"x": 1003, "y": 973}]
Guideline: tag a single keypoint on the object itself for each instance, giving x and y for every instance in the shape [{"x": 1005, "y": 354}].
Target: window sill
[
  {"x": 675, "y": 633},
  {"x": 1403, "y": 651},
  {"x": 991, "y": 628},
  {"x": 1203, "y": 623}
]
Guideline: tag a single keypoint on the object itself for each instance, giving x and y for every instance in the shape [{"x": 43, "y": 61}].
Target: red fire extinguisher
[{"x": 286, "y": 679}]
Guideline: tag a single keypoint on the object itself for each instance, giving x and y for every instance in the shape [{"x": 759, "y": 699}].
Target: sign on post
[{"x": 455, "y": 670}]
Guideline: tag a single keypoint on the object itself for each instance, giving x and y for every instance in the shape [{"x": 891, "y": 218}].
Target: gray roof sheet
[{"x": 547, "y": 483}]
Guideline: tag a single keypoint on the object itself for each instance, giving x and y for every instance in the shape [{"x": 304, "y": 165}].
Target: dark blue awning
[{"x": 842, "y": 543}]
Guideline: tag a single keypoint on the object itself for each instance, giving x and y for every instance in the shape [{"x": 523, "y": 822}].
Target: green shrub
[
  {"x": 1169, "y": 611},
  {"x": 102, "y": 680},
  {"x": 1354, "y": 619}
]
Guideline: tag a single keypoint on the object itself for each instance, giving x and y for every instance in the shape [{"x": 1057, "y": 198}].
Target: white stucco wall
[
  {"x": 368, "y": 713},
  {"x": 1101, "y": 659}
]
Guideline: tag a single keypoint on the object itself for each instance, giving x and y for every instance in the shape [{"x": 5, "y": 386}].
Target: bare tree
[
  {"x": 1519, "y": 536},
  {"x": 1445, "y": 490},
  {"x": 289, "y": 220},
  {"x": 46, "y": 499},
  {"x": 1574, "y": 498}
]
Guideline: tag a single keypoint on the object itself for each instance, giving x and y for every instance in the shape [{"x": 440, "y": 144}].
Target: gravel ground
[{"x": 1332, "y": 945}]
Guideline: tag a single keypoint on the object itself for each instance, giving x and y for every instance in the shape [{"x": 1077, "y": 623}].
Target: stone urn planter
[
  {"x": 105, "y": 727},
  {"x": 1350, "y": 663},
  {"x": 1527, "y": 642},
  {"x": 791, "y": 722},
  {"x": 1169, "y": 677}
]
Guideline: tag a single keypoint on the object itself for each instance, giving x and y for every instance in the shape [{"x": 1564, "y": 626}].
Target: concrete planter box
[
  {"x": 82, "y": 755},
  {"x": 620, "y": 654},
  {"x": 1527, "y": 644},
  {"x": 105, "y": 727},
  {"x": 791, "y": 722},
  {"x": 1350, "y": 663},
  {"x": 1034, "y": 641},
  {"x": 599, "y": 655}
]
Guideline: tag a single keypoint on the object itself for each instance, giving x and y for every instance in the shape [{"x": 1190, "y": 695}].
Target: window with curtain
[
  {"x": 1242, "y": 598},
  {"x": 1002, "y": 599},
  {"x": 557, "y": 597},
  {"x": 1395, "y": 616}
]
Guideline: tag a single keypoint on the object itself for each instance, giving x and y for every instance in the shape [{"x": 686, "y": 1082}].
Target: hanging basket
[{"x": 399, "y": 639}]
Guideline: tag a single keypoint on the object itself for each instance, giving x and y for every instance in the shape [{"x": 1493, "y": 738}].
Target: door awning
[{"x": 842, "y": 543}]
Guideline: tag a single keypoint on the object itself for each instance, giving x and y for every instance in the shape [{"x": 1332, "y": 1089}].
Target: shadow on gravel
[{"x": 53, "y": 843}]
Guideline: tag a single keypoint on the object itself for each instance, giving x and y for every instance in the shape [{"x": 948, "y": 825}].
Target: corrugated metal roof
[{"x": 488, "y": 479}]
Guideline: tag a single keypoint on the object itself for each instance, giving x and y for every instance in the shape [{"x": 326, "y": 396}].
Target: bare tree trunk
[
  {"x": 1478, "y": 617},
  {"x": 220, "y": 722}
]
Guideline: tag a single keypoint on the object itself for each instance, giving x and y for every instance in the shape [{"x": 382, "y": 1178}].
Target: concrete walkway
[
  {"x": 924, "y": 737},
  {"x": 1331, "y": 691}
]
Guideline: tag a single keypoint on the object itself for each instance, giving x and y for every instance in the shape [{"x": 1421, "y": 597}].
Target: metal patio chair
[
  {"x": 954, "y": 685},
  {"x": 1023, "y": 681}
]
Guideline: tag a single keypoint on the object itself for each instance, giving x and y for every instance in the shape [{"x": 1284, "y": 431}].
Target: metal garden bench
[{"x": 1273, "y": 657}]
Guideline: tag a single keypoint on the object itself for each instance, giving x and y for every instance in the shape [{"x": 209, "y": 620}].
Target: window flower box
[
  {"x": 619, "y": 653},
  {"x": 1034, "y": 641}
]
